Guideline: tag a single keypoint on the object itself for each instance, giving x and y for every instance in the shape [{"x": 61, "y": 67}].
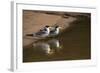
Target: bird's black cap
[
  {"x": 47, "y": 26},
  {"x": 56, "y": 26}
]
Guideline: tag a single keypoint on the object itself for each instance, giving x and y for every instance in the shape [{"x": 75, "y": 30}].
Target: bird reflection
[
  {"x": 47, "y": 47},
  {"x": 42, "y": 47},
  {"x": 55, "y": 44}
]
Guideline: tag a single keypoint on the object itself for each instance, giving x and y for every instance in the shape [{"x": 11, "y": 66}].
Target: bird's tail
[{"x": 30, "y": 35}]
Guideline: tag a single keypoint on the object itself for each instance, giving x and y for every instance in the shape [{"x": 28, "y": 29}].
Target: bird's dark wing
[
  {"x": 43, "y": 30},
  {"x": 41, "y": 33}
]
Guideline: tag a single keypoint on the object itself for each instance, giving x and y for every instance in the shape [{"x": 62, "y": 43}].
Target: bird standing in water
[
  {"x": 55, "y": 31},
  {"x": 41, "y": 33}
]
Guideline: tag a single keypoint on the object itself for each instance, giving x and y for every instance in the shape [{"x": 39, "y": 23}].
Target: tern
[
  {"x": 55, "y": 31},
  {"x": 41, "y": 33}
]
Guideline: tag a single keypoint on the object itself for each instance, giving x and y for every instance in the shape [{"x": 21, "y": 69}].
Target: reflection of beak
[{"x": 60, "y": 46}]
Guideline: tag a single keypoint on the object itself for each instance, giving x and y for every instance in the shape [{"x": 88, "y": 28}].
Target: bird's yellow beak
[
  {"x": 50, "y": 27},
  {"x": 60, "y": 27}
]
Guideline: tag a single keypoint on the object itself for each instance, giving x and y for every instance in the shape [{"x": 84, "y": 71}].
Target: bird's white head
[
  {"x": 57, "y": 28},
  {"x": 47, "y": 29}
]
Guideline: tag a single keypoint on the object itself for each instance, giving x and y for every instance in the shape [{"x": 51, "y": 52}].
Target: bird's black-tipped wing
[{"x": 41, "y": 33}]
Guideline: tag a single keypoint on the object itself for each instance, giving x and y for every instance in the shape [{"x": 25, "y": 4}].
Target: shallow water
[{"x": 71, "y": 44}]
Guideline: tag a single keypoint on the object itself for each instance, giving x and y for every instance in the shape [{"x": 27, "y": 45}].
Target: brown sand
[{"x": 34, "y": 21}]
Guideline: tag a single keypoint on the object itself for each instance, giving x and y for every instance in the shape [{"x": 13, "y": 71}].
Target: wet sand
[{"x": 34, "y": 21}]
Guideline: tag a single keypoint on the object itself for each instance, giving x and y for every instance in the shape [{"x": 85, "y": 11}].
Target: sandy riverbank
[{"x": 35, "y": 20}]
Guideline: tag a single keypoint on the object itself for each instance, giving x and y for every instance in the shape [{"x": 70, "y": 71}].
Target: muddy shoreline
[{"x": 36, "y": 20}]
